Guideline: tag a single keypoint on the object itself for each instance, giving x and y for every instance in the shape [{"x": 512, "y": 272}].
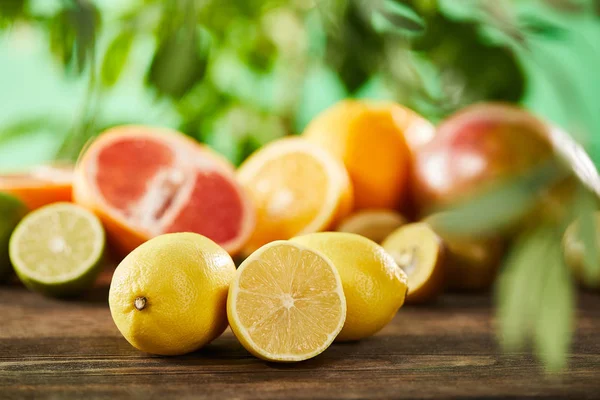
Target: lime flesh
[
  {"x": 57, "y": 250},
  {"x": 11, "y": 212}
]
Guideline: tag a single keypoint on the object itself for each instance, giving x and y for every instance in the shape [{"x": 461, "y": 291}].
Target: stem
[{"x": 140, "y": 303}]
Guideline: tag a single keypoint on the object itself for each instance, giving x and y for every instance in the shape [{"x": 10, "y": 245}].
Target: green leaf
[
  {"x": 397, "y": 18},
  {"x": 520, "y": 286},
  {"x": 85, "y": 18},
  {"x": 73, "y": 34},
  {"x": 541, "y": 27},
  {"x": 556, "y": 313},
  {"x": 32, "y": 125},
  {"x": 11, "y": 10},
  {"x": 331, "y": 11},
  {"x": 179, "y": 62},
  {"x": 116, "y": 57},
  {"x": 62, "y": 38},
  {"x": 354, "y": 50},
  {"x": 568, "y": 6},
  {"x": 588, "y": 233},
  {"x": 470, "y": 67},
  {"x": 498, "y": 208},
  {"x": 535, "y": 297}
]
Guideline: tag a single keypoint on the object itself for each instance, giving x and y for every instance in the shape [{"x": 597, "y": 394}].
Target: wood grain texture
[{"x": 52, "y": 349}]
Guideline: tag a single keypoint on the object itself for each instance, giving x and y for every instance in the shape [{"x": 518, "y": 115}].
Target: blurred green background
[{"x": 238, "y": 73}]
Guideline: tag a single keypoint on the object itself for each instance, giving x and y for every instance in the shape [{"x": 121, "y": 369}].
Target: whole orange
[{"x": 368, "y": 136}]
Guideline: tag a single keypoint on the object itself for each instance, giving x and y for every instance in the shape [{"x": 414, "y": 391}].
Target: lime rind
[
  {"x": 73, "y": 281},
  {"x": 12, "y": 210}
]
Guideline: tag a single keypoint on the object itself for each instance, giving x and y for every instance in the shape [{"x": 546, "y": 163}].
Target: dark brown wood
[{"x": 71, "y": 349}]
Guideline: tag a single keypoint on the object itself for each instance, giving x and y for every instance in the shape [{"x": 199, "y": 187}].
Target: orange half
[{"x": 297, "y": 188}]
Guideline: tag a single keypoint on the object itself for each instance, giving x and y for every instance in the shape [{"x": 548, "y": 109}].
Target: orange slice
[
  {"x": 297, "y": 188},
  {"x": 286, "y": 303}
]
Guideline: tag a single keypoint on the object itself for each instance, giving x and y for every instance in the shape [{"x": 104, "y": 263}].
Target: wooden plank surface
[{"x": 71, "y": 349}]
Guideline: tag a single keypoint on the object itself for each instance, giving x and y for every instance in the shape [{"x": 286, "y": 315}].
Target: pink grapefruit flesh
[
  {"x": 219, "y": 216},
  {"x": 121, "y": 160},
  {"x": 152, "y": 181}
]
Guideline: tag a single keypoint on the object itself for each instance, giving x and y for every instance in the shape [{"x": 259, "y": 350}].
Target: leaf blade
[
  {"x": 115, "y": 58},
  {"x": 498, "y": 208},
  {"x": 556, "y": 314},
  {"x": 519, "y": 287},
  {"x": 397, "y": 18}
]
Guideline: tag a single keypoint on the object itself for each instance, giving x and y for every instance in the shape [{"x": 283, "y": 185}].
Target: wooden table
[{"x": 71, "y": 349}]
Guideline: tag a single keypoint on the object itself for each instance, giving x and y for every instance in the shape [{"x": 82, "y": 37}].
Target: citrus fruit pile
[
  {"x": 287, "y": 301},
  {"x": 336, "y": 228}
]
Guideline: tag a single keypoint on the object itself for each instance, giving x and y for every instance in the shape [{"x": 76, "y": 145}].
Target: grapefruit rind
[{"x": 190, "y": 158}]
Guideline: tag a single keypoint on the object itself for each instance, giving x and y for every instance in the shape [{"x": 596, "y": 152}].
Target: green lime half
[
  {"x": 57, "y": 249},
  {"x": 11, "y": 212}
]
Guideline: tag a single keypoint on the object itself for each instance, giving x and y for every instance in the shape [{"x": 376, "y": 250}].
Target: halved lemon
[
  {"x": 374, "y": 286},
  {"x": 286, "y": 303},
  {"x": 420, "y": 252}
]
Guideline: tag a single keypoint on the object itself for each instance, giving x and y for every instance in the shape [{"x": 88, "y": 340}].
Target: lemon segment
[{"x": 286, "y": 303}]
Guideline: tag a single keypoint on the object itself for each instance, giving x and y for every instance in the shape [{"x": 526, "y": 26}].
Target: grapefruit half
[{"x": 144, "y": 181}]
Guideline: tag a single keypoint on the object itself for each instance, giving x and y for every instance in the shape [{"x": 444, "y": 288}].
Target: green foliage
[
  {"x": 115, "y": 58},
  {"x": 535, "y": 297},
  {"x": 10, "y": 10},
  {"x": 31, "y": 125},
  {"x": 397, "y": 18},
  {"x": 261, "y": 54},
  {"x": 73, "y": 34},
  {"x": 499, "y": 208},
  {"x": 179, "y": 63},
  {"x": 500, "y": 77}
]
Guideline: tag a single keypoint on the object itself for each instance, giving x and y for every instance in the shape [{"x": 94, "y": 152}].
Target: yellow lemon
[
  {"x": 420, "y": 252},
  {"x": 372, "y": 224},
  {"x": 286, "y": 303},
  {"x": 169, "y": 295},
  {"x": 374, "y": 285}
]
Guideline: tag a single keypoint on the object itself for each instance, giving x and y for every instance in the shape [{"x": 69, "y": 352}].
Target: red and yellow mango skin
[{"x": 475, "y": 148}]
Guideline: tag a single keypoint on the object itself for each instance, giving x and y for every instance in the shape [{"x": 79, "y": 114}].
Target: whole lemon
[
  {"x": 169, "y": 295},
  {"x": 374, "y": 285}
]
